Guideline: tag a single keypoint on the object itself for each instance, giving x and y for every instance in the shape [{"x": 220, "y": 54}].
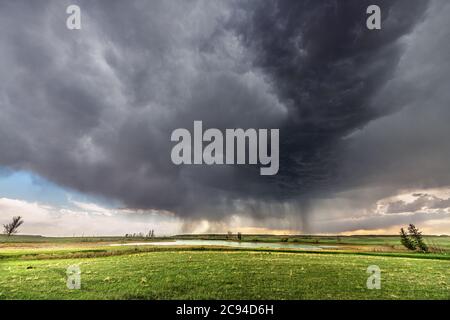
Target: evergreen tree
[
  {"x": 417, "y": 236},
  {"x": 406, "y": 240}
]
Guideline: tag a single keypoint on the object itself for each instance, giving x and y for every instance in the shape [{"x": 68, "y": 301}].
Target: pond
[{"x": 234, "y": 244}]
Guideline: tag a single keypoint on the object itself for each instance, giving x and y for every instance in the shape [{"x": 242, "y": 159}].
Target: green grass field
[{"x": 37, "y": 270}]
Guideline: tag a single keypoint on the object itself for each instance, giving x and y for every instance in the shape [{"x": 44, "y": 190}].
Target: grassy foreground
[{"x": 195, "y": 273}]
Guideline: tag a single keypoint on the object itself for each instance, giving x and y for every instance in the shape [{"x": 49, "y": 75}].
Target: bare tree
[{"x": 12, "y": 227}]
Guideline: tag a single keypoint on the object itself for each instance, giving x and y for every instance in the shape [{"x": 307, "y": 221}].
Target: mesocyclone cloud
[{"x": 94, "y": 109}]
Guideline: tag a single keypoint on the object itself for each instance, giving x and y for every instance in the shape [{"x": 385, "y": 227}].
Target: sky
[{"x": 86, "y": 115}]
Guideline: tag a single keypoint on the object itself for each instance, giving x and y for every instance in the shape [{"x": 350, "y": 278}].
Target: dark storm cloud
[
  {"x": 326, "y": 66},
  {"x": 94, "y": 109},
  {"x": 408, "y": 150}
]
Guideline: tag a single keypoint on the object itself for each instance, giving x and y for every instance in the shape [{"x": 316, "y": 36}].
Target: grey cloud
[
  {"x": 379, "y": 221},
  {"x": 326, "y": 67},
  {"x": 93, "y": 109},
  {"x": 408, "y": 149},
  {"x": 423, "y": 201}
]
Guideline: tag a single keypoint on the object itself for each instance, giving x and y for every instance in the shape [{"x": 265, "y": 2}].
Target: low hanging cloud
[
  {"x": 422, "y": 202},
  {"x": 86, "y": 219},
  {"x": 93, "y": 109}
]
